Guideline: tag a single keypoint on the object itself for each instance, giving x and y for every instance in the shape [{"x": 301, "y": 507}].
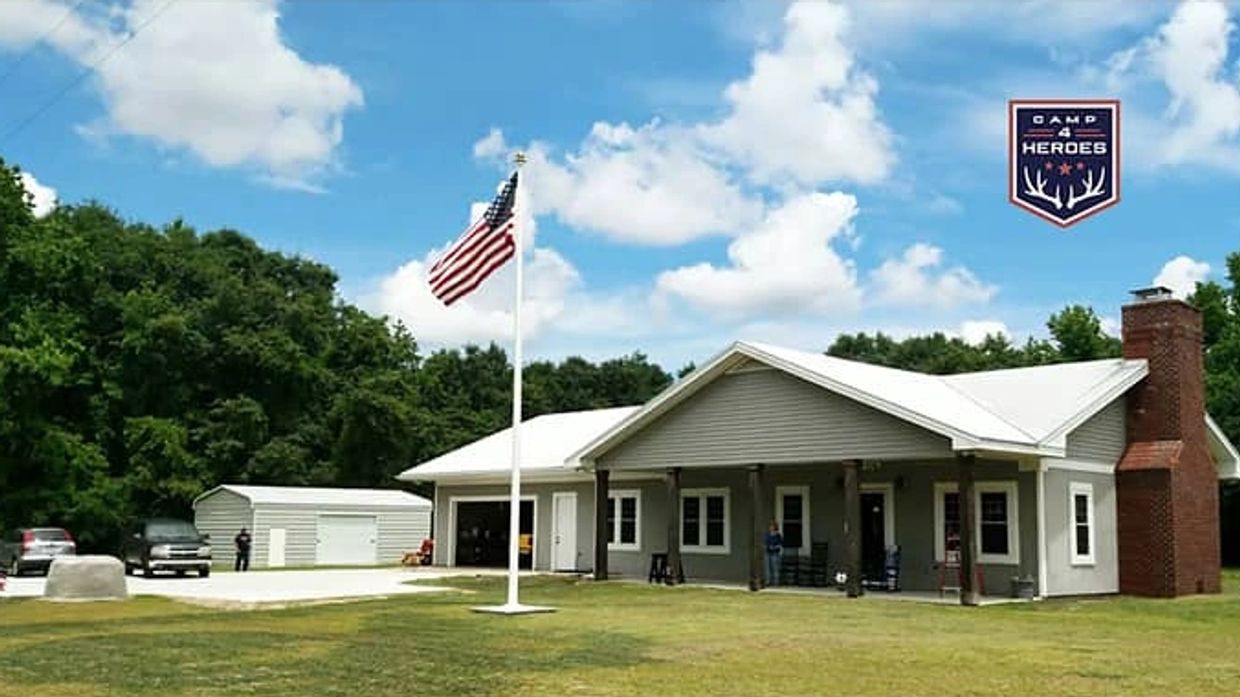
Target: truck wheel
[{"x": 204, "y": 572}]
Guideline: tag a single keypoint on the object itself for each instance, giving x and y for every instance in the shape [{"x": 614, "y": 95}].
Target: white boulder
[{"x": 85, "y": 578}]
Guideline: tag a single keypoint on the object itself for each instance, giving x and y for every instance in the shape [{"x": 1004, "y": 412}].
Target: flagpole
[{"x": 514, "y": 523}]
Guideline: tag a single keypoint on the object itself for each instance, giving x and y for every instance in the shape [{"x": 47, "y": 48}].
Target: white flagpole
[
  {"x": 514, "y": 524},
  {"x": 513, "y": 604}
]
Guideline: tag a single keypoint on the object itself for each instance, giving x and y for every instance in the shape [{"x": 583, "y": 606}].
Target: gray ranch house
[{"x": 1077, "y": 478}]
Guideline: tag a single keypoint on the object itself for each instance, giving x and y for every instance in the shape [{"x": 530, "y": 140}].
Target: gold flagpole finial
[{"x": 519, "y": 157}]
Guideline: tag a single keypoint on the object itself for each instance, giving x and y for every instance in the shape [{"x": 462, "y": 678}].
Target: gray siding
[
  {"x": 221, "y": 515},
  {"x": 542, "y": 494},
  {"x": 1064, "y": 578},
  {"x": 912, "y": 499},
  {"x": 770, "y": 417},
  {"x": 1103, "y": 437},
  {"x": 400, "y": 530}
]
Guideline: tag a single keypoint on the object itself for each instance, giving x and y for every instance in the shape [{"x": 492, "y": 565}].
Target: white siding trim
[
  {"x": 1043, "y": 570},
  {"x": 1087, "y": 490},
  {"x": 1011, "y": 488},
  {"x": 453, "y": 500},
  {"x": 806, "y": 527},
  {"x": 1068, "y": 465},
  {"x": 703, "y": 548}
]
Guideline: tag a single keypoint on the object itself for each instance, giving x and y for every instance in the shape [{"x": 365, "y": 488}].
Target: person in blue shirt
[{"x": 774, "y": 549}]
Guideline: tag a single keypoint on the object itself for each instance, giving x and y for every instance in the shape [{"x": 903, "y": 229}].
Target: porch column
[
  {"x": 757, "y": 520},
  {"x": 673, "y": 526},
  {"x": 968, "y": 527},
  {"x": 852, "y": 525},
  {"x": 602, "y": 479}
]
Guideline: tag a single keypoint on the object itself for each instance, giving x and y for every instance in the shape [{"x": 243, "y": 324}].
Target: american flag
[{"x": 484, "y": 247}]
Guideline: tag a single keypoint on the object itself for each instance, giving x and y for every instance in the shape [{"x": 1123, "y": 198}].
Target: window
[
  {"x": 704, "y": 521},
  {"x": 1081, "y": 510},
  {"x": 624, "y": 529},
  {"x": 792, "y": 512},
  {"x": 996, "y": 528}
]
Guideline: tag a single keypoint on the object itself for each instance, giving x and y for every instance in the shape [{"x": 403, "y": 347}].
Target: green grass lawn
[{"x": 621, "y": 639}]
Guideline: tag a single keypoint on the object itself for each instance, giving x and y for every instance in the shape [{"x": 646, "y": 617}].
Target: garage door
[
  {"x": 348, "y": 539},
  {"x": 482, "y": 533}
]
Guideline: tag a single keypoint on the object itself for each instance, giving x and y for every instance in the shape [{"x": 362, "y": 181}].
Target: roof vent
[{"x": 1152, "y": 294}]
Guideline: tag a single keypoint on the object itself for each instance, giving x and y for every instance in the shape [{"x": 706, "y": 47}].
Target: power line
[
  {"x": 39, "y": 41},
  {"x": 20, "y": 126}
]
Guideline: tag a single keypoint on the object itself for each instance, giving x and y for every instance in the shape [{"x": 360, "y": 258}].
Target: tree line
[{"x": 142, "y": 365}]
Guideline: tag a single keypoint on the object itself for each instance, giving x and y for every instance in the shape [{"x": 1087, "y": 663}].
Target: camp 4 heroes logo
[{"x": 1063, "y": 157}]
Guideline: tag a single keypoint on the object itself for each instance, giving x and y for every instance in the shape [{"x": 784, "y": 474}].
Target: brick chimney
[{"x": 1166, "y": 483}]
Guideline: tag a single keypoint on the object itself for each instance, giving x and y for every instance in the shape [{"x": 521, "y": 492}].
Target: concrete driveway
[{"x": 271, "y": 587}]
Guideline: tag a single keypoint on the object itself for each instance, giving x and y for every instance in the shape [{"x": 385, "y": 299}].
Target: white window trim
[
  {"x": 803, "y": 492},
  {"x": 1087, "y": 490},
  {"x": 1007, "y": 487},
  {"x": 726, "y": 547},
  {"x": 618, "y": 546}
]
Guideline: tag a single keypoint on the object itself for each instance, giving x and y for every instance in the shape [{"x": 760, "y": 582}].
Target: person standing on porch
[{"x": 774, "y": 550}]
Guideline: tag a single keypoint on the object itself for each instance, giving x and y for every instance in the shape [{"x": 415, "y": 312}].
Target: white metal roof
[
  {"x": 547, "y": 444},
  {"x": 1023, "y": 411},
  {"x": 314, "y": 496}
]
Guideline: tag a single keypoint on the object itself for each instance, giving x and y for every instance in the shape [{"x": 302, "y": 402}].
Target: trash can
[{"x": 1023, "y": 588}]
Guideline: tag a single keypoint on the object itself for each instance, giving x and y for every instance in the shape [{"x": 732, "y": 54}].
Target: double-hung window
[
  {"x": 705, "y": 521},
  {"x": 996, "y": 528},
  {"x": 624, "y": 520},
  {"x": 1081, "y": 519},
  {"x": 792, "y": 512}
]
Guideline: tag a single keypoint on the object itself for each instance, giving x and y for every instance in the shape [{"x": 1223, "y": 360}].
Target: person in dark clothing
[
  {"x": 241, "y": 544},
  {"x": 774, "y": 550}
]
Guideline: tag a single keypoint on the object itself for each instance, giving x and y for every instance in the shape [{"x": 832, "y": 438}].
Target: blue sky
[{"x": 700, "y": 172}]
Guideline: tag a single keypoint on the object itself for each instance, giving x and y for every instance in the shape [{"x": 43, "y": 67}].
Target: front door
[
  {"x": 873, "y": 534},
  {"x": 564, "y": 531}
]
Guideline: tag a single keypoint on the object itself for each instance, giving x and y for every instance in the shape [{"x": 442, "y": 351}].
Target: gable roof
[
  {"x": 314, "y": 496},
  {"x": 1026, "y": 411},
  {"x": 547, "y": 445}
]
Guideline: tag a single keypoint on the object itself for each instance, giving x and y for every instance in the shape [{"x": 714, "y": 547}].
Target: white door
[
  {"x": 276, "y": 538},
  {"x": 564, "y": 531},
  {"x": 347, "y": 540}
]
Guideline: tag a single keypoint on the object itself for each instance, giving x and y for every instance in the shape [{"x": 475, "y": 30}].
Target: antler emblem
[{"x": 1089, "y": 190}]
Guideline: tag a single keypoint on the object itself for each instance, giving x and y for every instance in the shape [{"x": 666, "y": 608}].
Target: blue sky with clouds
[{"x": 700, "y": 172}]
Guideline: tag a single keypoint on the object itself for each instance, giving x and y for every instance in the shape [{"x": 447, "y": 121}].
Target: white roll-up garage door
[{"x": 348, "y": 539}]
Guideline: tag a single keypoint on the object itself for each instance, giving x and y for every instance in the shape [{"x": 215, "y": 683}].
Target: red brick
[{"x": 1166, "y": 484}]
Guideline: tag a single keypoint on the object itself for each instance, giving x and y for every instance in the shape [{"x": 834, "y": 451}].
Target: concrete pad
[{"x": 271, "y": 588}]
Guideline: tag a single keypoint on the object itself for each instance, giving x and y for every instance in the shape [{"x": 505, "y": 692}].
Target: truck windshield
[{"x": 170, "y": 530}]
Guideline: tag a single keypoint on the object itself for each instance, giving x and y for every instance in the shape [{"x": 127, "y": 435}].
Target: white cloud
[
  {"x": 786, "y": 264},
  {"x": 646, "y": 185},
  {"x": 914, "y": 280},
  {"x": 42, "y": 197},
  {"x": 215, "y": 79},
  {"x": 1182, "y": 274},
  {"x": 1188, "y": 57},
  {"x": 976, "y": 331},
  {"x": 804, "y": 116},
  {"x": 806, "y": 112}
]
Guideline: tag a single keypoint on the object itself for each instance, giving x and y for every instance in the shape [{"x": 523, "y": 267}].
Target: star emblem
[{"x": 1065, "y": 168}]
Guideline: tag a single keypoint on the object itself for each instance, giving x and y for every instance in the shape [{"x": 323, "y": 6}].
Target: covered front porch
[{"x": 886, "y": 526}]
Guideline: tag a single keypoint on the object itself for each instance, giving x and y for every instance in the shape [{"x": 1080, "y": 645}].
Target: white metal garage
[{"x": 307, "y": 526}]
